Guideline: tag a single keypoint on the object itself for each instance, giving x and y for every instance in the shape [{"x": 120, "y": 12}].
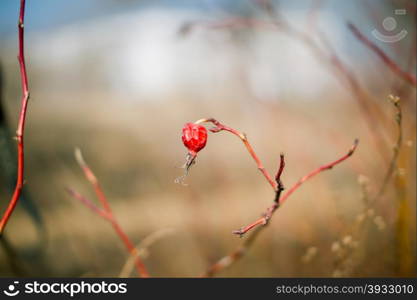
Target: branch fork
[
  {"x": 105, "y": 212},
  {"x": 277, "y": 186}
]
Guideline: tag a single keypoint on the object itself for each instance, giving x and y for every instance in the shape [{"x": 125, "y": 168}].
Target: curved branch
[
  {"x": 105, "y": 212},
  {"x": 220, "y": 127},
  {"x": 231, "y": 258},
  {"x": 278, "y": 202}
]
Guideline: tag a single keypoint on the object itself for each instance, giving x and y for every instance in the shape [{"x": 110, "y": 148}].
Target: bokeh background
[{"x": 119, "y": 79}]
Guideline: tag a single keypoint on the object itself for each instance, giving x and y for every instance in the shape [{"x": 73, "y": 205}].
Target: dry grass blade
[
  {"x": 106, "y": 211},
  {"x": 141, "y": 250},
  {"x": 398, "y": 118}
]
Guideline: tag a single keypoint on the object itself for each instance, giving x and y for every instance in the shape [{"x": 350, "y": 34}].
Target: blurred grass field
[{"x": 137, "y": 157}]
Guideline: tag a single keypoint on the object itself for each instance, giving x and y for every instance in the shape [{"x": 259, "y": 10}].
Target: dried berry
[{"x": 194, "y": 137}]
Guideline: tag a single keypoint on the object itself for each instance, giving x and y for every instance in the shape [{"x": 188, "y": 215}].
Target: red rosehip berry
[{"x": 194, "y": 137}]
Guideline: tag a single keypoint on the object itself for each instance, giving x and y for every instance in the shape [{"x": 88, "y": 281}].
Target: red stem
[
  {"x": 267, "y": 216},
  {"x": 318, "y": 170},
  {"x": 102, "y": 213},
  {"x": 21, "y": 123},
  {"x": 219, "y": 127},
  {"x": 106, "y": 212}
]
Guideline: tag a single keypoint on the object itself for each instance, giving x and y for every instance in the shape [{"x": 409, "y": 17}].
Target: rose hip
[{"x": 194, "y": 137}]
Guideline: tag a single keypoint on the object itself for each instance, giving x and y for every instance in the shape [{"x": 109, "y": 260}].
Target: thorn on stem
[{"x": 215, "y": 129}]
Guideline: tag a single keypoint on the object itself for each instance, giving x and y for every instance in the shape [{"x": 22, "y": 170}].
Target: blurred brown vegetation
[{"x": 134, "y": 147}]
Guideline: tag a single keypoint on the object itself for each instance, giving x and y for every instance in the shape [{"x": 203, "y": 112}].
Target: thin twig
[
  {"x": 220, "y": 127},
  {"x": 398, "y": 118},
  {"x": 313, "y": 14},
  {"x": 268, "y": 214},
  {"x": 371, "y": 113},
  {"x": 318, "y": 170},
  {"x": 381, "y": 54},
  {"x": 101, "y": 212},
  {"x": 228, "y": 260},
  {"x": 21, "y": 124},
  {"x": 106, "y": 211},
  {"x": 93, "y": 180},
  {"x": 277, "y": 203},
  {"x": 142, "y": 250},
  {"x": 231, "y": 258}
]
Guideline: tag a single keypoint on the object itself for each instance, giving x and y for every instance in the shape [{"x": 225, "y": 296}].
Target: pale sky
[{"x": 135, "y": 48}]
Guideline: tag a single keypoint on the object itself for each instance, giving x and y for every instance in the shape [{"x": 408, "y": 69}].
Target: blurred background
[{"x": 119, "y": 79}]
